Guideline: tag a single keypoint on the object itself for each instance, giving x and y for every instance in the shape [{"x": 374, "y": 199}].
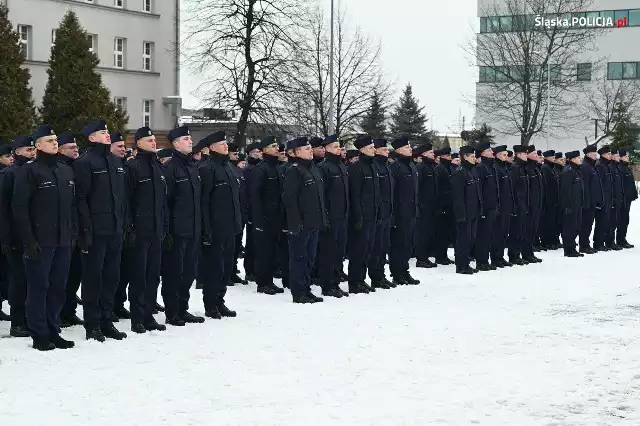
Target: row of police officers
[{"x": 107, "y": 221}]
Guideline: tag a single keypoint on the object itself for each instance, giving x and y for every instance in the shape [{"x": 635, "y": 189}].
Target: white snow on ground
[{"x": 549, "y": 344}]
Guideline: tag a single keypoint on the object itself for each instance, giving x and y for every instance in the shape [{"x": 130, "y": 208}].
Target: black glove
[
  {"x": 130, "y": 238},
  {"x": 206, "y": 240},
  {"x": 6, "y": 249},
  {"x": 32, "y": 250},
  {"x": 296, "y": 231},
  {"x": 325, "y": 228},
  {"x": 358, "y": 226},
  {"x": 84, "y": 242},
  {"x": 567, "y": 211},
  {"x": 598, "y": 207},
  {"x": 167, "y": 242}
]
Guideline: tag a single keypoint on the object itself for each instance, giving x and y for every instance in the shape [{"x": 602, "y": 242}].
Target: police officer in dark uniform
[
  {"x": 100, "y": 188},
  {"x": 467, "y": 208},
  {"x": 23, "y": 152},
  {"x": 364, "y": 193},
  {"x": 428, "y": 195},
  {"x": 222, "y": 220},
  {"x": 6, "y": 159},
  {"x": 234, "y": 160},
  {"x": 318, "y": 150},
  {"x": 306, "y": 215},
  {"x": 503, "y": 218},
  {"x": 630, "y": 195},
  {"x": 488, "y": 182},
  {"x": 265, "y": 195},
  {"x": 254, "y": 157},
  {"x": 592, "y": 197},
  {"x": 549, "y": 220},
  {"x": 283, "y": 245},
  {"x": 445, "y": 224},
  {"x": 536, "y": 194},
  {"x": 181, "y": 244},
  {"x": 618, "y": 199},
  {"x": 44, "y": 212},
  {"x": 67, "y": 154},
  {"x": 572, "y": 201},
  {"x": 382, "y": 238},
  {"x": 405, "y": 212},
  {"x": 603, "y": 216},
  {"x": 147, "y": 227},
  {"x": 559, "y": 168},
  {"x": 332, "y": 240},
  {"x": 519, "y": 217}
]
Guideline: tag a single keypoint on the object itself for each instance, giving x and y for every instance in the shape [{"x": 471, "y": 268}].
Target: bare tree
[
  {"x": 603, "y": 101},
  {"x": 304, "y": 86},
  {"x": 238, "y": 47},
  {"x": 516, "y": 52}
]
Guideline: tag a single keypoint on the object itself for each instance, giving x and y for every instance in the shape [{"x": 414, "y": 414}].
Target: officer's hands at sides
[
  {"x": 206, "y": 240},
  {"x": 167, "y": 242},
  {"x": 567, "y": 211},
  {"x": 32, "y": 250},
  {"x": 325, "y": 227},
  {"x": 84, "y": 242},
  {"x": 358, "y": 225},
  {"x": 296, "y": 231},
  {"x": 130, "y": 238}
]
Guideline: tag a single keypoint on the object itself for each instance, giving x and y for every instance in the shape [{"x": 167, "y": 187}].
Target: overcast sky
[{"x": 421, "y": 43}]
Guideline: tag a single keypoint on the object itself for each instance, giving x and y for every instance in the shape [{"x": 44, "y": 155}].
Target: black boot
[
  {"x": 391, "y": 284},
  {"x": 410, "y": 280},
  {"x": 122, "y": 313},
  {"x": 19, "y": 331},
  {"x": 43, "y": 345},
  {"x": 109, "y": 331},
  {"x": 332, "y": 292},
  {"x": 95, "y": 334},
  {"x": 138, "y": 328},
  {"x": 175, "y": 321},
  {"x": 364, "y": 285},
  {"x": 516, "y": 261},
  {"x": 445, "y": 261},
  {"x": 226, "y": 312},
  {"x": 61, "y": 343},
  {"x": 277, "y": 289},
  {"x": 4, "y": 317},
  {"x": 425, "y": 264},
  {"x": 212, "y": 313},
  {"x": 70, "y": 320},
  {"x": 264, "y": 289},
  {"x": 151, "y": 324},
  {"x": 464, "y": 271},
  {"x": 235, "y": 278},
  {"x": 400, "y": 281},
  {"x": 316, "y": 299},
  {"x": 303, "y": 299},
  {"x": 191, "y": 319},
  {"x": 356, "y": 288}
]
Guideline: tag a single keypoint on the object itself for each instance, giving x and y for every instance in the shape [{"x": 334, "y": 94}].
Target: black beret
[
  {"x": 539, "y": 152},
  {"x": 418, "y": 151},
  {"x": 165, "y": 153},
  {"x": 500, "y": 148},
  {"x": 266, "y": 141},
  {"x": 66, "y": 138},
  {"x": 530, "y": 149},
  {"x": 604, "y": 150},
  {"x": 315, "y": 142},
  {"x": 216, "y": 137},
  {"x": 362, "y": 141},
  {"x": 379, "y": 143},
  {"x": 42, "y": 131},
  {"x": 94, "y": 126},
  {"x": 330, "y": 139},
  {"x": 252, "y": 147},
  {"x": 116, "y": 137},
  {"x": 510, "y": 153},
  {"x": 444, "y": 151},
  {"x": 142, "y": 132},
  {"x": 614, "y": 151},
  {"x": 483, "y": 146},
  {"x": 22, "y": 142},
  {"x": 178, "y": 132},
  {"x": 400, "y": 142},
  {"x": 5, "y": 149},
  {"x": 233, "y": 147},
  {"x": 297, "y": 143},
  {"x": 466, "y": 150},
  {"x": 558, "y": 155},
  {"x": 519, "y": 149},
  {"x": 455, "y": 155},
  {"x": 590, "y": 148},
  {"x": 351, "y": 153},
  {"x": 550, "y": 153},
  {"x": 623, "y": 153},
  {"x": 572, "y": 154}
]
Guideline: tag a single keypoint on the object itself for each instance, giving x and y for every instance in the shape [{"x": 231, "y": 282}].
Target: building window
[
  {"x": 120, "y": 102},
  {"x": 24, "y": 34},
  {"x": 147, "y": 112},
  {"x": 92, "y": 41},
  {"x": 620, "y": 15},
  {"x": 147, "y": 56},
  {"x": 118, "y": 3},
  {"x": 629, "y": 70},
  {"x": 584, "y": 72},
  {"x": 146, "y": 5},
  {"x": 634, "y": 18},
  {"x": 483, "y": 25},
  {"x": 614, "y": 71},
  {"x": 118, "y": 52}
]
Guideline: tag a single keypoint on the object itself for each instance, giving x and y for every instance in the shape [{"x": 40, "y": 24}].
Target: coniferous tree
[
  {"x": 625, "y": 133},
  {"x": 446, "y": 143},
  {"x": 75, "y": 94},
  {"x": 373, "y": 123},
  {"x": 17, "y": 111},
  {"x": 408, "y": 118}
]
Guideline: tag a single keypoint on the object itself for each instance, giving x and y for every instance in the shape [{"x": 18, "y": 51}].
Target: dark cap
[
  {"x": 518, "y": 149},
  {"x": 116, "y": 137},
  {"x": 362, "y": 141},
  {"x": 623, "y": 152},
  {"x": 298, "y": 142},
  {"x": 614, "y": 151},
  {"x": 558, "y": 155},
  {"x": 379, "y": 143},
  {"x": 178, "y": 132},
  {"x": 466, "y": 150},
  {"x": 233, "y": 147},
  {"x": 455, "y": 155},
  {"x": 5, "y": 149},
  {"x": 216, "y": 137},
  {"x": 400, "y": 142},
  {"x": 550, "y": 153},
  {"x": 94, "y": 126},
  {"x": 531, "y": 149},
  {"x": 500, "y": 148},
  {"x": 351, "y": 153},
  {"x": 143, "y": 132},
  {"x": 604, "y": 150},
  {"x": 282, "y": 148},
  {"x": 444, "y": 151},
  {"x": 509, "y": 154},
  {"x": 590, "y": 148},
  {"x": 266, "y": 141},
  {"x": 252, "y": 147},
  {"x": 315, "y": 142},
  {"x": 539, "y": 152},
  {"x": 330, "y": 139},
  {"x": 418, "y": 151},
  {"x": 482, "y": 146},
  {"x": 22, "y": 142},
  {"x": 165, "y": 152},
  {"x": 66, "y": 138},
  {"x": 202, "y": 144},
  {"x": 42, "y": 131},
  {"x": 572, "y": 154}
]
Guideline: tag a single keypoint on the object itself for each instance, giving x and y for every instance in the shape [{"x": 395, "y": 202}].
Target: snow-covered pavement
[{"x": 548, "y": 344}]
